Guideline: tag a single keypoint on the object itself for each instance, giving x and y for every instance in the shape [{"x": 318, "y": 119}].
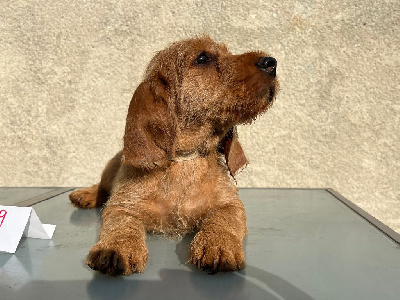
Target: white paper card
[{"x": 16, "y": 222}]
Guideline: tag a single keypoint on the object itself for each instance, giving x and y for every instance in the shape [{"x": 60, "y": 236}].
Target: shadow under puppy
[{"x": 181, "y": 150}]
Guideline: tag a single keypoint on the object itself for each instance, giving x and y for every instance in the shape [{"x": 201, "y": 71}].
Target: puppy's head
[
  {"x": 226, "y": 89},
  {"x": 193, "y": 95}
]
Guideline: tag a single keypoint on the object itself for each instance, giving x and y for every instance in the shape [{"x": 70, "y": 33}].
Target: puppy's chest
[{"x": 187, "y": 189}]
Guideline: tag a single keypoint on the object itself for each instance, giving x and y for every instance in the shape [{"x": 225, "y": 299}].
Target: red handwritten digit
[{"x": 3, "y": 214}]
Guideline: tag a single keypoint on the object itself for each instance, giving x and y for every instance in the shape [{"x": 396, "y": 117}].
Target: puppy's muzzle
[{"x": 268, "y": 65}]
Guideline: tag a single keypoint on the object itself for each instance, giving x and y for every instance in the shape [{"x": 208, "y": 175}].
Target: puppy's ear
[
  {"x": 149, "y": 130},
  {"x": 234, "y": 155}
]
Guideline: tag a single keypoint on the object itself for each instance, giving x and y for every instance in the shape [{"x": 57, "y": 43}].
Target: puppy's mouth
[
  {"x": 271, "y": 95},
  {"x": 268, "y": 94},
  {"x": 268, "y": 66}
]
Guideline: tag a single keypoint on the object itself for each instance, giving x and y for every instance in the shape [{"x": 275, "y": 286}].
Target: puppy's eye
[{"x": 203, "y": 58}]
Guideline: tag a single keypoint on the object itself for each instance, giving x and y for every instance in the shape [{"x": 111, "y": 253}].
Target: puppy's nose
[{"x": 267, "y": 64}]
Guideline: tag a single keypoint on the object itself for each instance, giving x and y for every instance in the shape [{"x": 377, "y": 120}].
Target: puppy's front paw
[
  {"x": 84, "y": 198},
  {"x": 215, "y": 252},
  {"x": 117, "y": 261}
]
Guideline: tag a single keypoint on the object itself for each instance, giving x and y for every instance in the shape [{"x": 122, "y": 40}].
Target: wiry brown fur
[{"x": 180, "y": 151}]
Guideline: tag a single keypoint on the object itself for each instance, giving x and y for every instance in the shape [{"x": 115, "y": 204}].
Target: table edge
[
  {"x": 43, "y": 197},
  {"x": 386, "y": 230}
]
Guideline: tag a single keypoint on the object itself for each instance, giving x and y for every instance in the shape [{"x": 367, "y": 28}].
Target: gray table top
[{"x": 302, "y": 244}]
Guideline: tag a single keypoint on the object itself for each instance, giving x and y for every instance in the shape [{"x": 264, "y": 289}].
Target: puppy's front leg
[
  {"x": 218, "y": 246},
  {"x": 122, "y": 248}
]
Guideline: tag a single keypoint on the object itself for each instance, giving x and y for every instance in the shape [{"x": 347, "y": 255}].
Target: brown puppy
[{"x": 181, "y": 150}]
